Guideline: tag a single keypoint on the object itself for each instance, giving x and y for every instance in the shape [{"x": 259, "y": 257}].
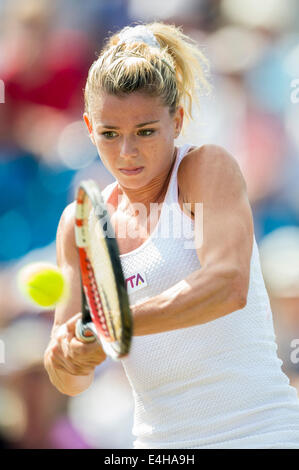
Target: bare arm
[
  {"x": 69, "y": 362},
  {"x": 208, "y": 175}
]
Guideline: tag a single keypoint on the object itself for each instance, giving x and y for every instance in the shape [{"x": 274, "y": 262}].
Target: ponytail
[{"x": 169, "y": 65}]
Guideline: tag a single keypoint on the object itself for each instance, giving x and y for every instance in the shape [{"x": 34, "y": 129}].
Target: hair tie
[{"x": 139, "y": 34}]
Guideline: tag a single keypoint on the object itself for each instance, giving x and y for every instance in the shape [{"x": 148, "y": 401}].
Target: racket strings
[
  {"x": 95, "y": 299},
  {"x": 104, "y": 289},
  {"x": 89, "y": 285},
  {"x": 104, "y": 279}
]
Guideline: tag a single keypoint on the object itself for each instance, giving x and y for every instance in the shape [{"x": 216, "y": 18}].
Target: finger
[
  {"x": 61, "y": 332},
  {"x": 92, "y": 351},
  {"x": 58, "y": 359},
  {"x": 71, "y": 323},
  {"x": 64, "y": 343},
  {"x": 72, "y": 365},
  {"x": 73, "y": 369}
]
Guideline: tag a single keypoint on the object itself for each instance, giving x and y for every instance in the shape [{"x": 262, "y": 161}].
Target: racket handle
[{"x": 85, "y": 332}]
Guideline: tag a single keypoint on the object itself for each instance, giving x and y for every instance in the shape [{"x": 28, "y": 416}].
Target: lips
[{"x": 131, "y": 170}]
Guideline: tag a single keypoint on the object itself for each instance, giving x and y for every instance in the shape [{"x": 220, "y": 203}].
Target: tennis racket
[{"x": 106, "y": 315}]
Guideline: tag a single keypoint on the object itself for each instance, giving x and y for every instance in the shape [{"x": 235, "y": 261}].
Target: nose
[{"x": 128, "y": 148}]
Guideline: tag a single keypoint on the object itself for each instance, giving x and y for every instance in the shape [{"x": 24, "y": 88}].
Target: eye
[
  {"x": 146, "y": 132},
  {"x": 109, "y": 134}
]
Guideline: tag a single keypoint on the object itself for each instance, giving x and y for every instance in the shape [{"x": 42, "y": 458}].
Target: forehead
[{"x": 133, "y": 108}]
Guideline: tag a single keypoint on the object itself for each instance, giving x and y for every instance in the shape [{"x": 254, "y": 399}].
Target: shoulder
[
  {"x": 210, "y": 166},
  {"x": 67, "y": 219},
  {"x": 211, "y": 159},
  {"x": 65, "y": 239}
]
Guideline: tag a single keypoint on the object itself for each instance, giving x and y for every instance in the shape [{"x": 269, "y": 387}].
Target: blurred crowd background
[{"x": 46, "y": 48}]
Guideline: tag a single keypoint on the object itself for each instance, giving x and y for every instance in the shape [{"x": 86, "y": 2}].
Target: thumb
[{"x": 71, "y": 323}]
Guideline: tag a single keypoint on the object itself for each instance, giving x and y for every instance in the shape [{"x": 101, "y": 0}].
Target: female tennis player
[{"x": 203, "y": 364}]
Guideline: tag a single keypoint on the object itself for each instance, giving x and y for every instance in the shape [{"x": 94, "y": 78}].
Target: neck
[{"x": 154, "y": 191}]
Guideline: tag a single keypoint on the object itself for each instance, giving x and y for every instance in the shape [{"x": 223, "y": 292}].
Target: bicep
[
  {"x": 227, "y": 234},
  {"x": 224, "y": 232},
  {"x": 68, "y": 262}
]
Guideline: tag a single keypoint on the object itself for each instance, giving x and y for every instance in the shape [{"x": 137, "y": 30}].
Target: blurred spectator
[
  {"x": 33, "y": 413},
  {"x": 44, "y": 71},
  {"x": 279, "y": 252},
  {"x": 104, "y": 413}
]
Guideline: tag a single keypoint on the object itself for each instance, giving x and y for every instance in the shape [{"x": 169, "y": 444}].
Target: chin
[
  {"x": 133, "y": 181},
  {"x": 129, "y": 184}
]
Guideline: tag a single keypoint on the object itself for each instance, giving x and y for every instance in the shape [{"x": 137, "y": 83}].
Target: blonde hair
[{"x": 174, "y": 71}]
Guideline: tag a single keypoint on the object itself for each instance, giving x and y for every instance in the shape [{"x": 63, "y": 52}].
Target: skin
[{"x": 208, "y": 175}]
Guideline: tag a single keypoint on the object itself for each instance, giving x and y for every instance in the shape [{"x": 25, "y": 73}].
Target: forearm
[
  {"x": 65, "y": 382},
  {"x": 203, "y": 296}
]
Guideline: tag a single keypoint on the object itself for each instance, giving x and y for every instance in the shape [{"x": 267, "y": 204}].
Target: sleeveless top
[{"x": 215, "y": 385}]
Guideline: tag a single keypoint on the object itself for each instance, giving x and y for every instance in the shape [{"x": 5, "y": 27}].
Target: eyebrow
[{"x": 138, "y": 125}]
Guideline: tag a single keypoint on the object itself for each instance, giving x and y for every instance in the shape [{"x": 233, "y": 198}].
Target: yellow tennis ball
[{"x": 42, "y": 283}]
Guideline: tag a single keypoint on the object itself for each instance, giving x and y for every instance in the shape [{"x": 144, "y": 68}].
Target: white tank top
[{"x": 216, "y": 385}]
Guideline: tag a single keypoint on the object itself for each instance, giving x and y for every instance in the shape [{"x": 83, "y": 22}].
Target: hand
[{"x": 70, "y": 355}]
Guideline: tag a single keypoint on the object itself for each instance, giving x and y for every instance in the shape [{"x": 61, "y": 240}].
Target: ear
[
  {"x": 178, "y": 121},
  {"x": 89, "y": 127}
]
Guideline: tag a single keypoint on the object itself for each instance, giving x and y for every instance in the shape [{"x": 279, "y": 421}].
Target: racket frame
[{"x": 92, "y": 325}]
